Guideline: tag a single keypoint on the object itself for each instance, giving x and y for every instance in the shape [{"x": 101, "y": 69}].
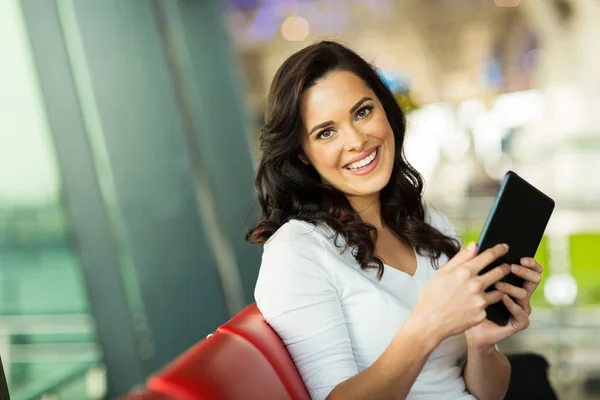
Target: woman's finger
[
  {"x": 532, "y": 263},
  {"x": 525, "y": 305},
  {"x": 520, "y": 317},
  {"x": 528, "y": 274},
  {"x": 493, "y": 297},
  {"x": 494, "y": 275},
  {"x": 511, "y": 290},
  {"x": 466, "y": 254},
  {"x": 487, "y": 257}
]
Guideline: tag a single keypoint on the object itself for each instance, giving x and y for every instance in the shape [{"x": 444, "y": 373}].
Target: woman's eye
[
  {"x": 363, "y": 112},
  {"x": 325, "y": 134}
]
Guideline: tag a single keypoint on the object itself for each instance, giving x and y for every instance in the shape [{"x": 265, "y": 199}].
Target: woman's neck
[{"x": 368, "y": 209}]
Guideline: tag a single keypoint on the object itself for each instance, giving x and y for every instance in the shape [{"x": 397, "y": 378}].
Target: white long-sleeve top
[{"x": 336, "y": 319}]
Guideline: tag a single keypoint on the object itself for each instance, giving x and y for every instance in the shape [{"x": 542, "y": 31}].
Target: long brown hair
[{"x": 286, "y": 188}]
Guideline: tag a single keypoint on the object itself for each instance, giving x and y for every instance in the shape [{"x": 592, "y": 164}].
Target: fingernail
[
  {"x": 525, "y": 261},
  {"x": 471, "y": 246},
  {"x": 505, "y": 246}
]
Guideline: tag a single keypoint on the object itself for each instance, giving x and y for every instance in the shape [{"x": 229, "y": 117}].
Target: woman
[{"x": 349, "y": 277}]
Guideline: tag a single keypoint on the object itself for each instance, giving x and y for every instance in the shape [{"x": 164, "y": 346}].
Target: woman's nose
[{"x": 355, "y": 139}]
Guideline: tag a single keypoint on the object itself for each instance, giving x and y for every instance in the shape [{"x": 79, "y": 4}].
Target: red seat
[{"x": 244, "y": 359}]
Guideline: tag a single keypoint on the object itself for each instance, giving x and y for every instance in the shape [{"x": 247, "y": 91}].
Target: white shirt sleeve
[{"x": 297, "y": 298}]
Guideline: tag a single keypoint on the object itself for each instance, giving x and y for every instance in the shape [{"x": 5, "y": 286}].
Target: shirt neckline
[{"x": 402, "y": 273}]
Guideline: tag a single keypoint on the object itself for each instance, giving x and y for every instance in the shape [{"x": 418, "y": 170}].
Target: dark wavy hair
[{"x": 287, "y": 188}]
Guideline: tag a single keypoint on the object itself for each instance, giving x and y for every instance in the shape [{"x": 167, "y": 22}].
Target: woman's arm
[
  {"x": 487, "y": 373},
  {"x": 392, "y": 375}
]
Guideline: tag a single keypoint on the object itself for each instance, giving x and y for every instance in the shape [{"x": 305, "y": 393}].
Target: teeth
[{"x": 365, "y": 161}]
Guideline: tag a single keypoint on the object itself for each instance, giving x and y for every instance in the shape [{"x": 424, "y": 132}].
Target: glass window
[{"x": 46, "y": 334}]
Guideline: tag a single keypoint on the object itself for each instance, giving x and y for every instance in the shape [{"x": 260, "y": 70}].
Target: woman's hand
[
  {"x": 531, "y": 271},
  {"x": 455, "y": 300},
  {"x": 487, "y": 333}
]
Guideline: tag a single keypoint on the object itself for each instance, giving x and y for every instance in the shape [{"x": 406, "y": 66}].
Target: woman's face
[{"x": 347, "y": 137}]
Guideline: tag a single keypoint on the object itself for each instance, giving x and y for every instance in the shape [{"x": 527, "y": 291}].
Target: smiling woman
[
  {"x": 328, "y": 113},
  {"x": 349, "y": 277}
]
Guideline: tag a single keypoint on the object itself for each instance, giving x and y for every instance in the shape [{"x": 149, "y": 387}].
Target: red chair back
[{"x": 244, "y": 359}]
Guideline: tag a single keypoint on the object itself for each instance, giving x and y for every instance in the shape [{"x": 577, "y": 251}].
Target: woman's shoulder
[
  {"x": 296, "y": 256},
  {"x": 297, "y": 235}
]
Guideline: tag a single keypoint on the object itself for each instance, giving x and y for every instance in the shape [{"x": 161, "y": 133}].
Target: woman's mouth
[{"x": 366, "y": 165}]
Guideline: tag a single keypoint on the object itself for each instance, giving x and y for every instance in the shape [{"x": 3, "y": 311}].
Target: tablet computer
[{"x": 518, "y": 217}]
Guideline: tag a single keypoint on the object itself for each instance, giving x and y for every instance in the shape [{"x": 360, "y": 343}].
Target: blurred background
[{"x": 128, "y": 139}]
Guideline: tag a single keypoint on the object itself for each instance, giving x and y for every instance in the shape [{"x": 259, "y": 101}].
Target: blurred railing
[
  {"x": 73, "y": 382},
  {"x": 47, "y": 340},
  {"x": 76, "y": 359}
]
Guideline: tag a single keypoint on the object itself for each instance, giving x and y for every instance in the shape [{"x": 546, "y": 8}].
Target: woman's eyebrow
[
  {"x": 319, "y": 126},
  {"x": 358, "y": 104}
]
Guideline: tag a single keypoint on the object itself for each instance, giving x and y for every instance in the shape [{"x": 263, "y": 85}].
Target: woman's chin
[{"x": 369, "y": 186}]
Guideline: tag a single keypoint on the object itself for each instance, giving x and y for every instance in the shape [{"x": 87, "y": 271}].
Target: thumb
[
  {"x": 471, "y": 249},
  {"x": 466, "y": 254}
]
